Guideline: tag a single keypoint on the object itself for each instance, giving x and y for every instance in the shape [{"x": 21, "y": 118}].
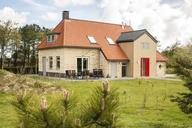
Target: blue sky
[{"x": 168, "y": 20}]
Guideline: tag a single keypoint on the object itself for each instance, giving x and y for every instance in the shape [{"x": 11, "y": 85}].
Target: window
[
  {"x": 145, "y": 45},
  {"x": 92, "y": 39},
  {"x": 50, "y": 38},
  {"x": 110, "y": 40},
  {"x": 50, "y": 62},
  {"x": 160, "y": 66},
  {"x": 58, "y": 62}
]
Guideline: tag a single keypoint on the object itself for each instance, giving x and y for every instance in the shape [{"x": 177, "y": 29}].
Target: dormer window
[
  {"x": 92, "y": 39},
  {"x": 110, "y": 40},
  {"x": 51, "y": 37}
]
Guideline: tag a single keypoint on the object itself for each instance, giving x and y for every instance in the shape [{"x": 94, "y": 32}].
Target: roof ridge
[
  {"x": 100, "y": 22},
  {"x": 135, "y": 31}
]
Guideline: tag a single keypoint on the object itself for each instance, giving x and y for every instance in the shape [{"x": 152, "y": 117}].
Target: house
[{"x": 115, "y": 49}]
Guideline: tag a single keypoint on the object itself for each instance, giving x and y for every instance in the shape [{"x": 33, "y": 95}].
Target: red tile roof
[
  {"x": 160, "y": 57},
  {"x": 74, "y": 32}
]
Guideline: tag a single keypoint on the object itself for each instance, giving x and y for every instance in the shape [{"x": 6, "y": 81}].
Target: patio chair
[
  {"x": 100, "y": 73},
  {"x": 68, "y": 73},
  {"x": 86, "y": 74},
  {"x": 73, "y": 73},
  {"x": 95, "y": 73}
]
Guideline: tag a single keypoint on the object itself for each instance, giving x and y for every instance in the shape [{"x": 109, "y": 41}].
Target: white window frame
[
  {"x": 92, "y": 39},
  {"x": 110, "y": 40},
  {"x": 82, "y": 57}
]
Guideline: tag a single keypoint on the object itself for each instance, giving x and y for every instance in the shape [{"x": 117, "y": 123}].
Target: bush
[
  {"x": 99, "y": 111},
  {"x": 170, "y": 71}
]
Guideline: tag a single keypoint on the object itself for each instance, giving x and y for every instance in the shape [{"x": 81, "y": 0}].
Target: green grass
[{"x": 159, "y": 112}]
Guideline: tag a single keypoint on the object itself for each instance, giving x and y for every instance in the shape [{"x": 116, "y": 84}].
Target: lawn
[{"x": 143, "y": 103}]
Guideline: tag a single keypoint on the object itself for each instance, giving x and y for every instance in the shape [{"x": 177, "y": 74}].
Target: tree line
[{"x": 18, "y": 46}]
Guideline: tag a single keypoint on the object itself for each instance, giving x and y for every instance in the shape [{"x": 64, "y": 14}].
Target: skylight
[
  {"x": 92, "y": 39},
  {"x": 110, "y": 40}
]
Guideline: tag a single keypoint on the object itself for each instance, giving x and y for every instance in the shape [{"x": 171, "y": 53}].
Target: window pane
[
  {"x": 110, "y": 41},
  {"x": 50, "y": 62},
  {"x": 92, "y": 39},
  {"x": 85, "y": 63},
  {"x": 58, "y": 61},
  {"x": 79, "y": 64},
  {"x": 52, "y": 38}
]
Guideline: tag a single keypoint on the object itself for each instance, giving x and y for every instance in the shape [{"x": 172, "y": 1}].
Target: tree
[
  {"x": 170, "y": 53},
  {"x": 20, "y": 45},
  {"x": 6, "y": 36},
  {"x": 15, "y": 46},
  {"x": 31, "y": 35},
  {"x": 101, "y": 109},
  {"x": 183, "y": 67}
]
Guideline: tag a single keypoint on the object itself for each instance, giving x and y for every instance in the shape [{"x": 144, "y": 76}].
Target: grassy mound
[{"x": 10, "y": 82}]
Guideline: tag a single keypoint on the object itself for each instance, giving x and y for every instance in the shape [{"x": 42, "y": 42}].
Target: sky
[{"x": 169, "y": 21}]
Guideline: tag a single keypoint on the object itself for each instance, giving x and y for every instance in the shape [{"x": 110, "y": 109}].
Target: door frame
[
  {"x": 124, "y": 64},
  {"x": 114, "y": 71}
]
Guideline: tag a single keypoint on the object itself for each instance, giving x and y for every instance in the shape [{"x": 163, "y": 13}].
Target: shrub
[{"x": 99, "y": 111}]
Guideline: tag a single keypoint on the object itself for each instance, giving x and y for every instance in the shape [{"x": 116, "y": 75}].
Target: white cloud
[
  {"x": 166, "y": 22},
  {"x": 51, "y": 16},
  {"x": 8, "y": 13},
  {"x": 39, "y": 6},
  {"x": 61, "y": 3}
]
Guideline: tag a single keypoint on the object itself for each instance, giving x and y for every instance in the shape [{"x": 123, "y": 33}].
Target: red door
[{"x": 145, "y": 66}]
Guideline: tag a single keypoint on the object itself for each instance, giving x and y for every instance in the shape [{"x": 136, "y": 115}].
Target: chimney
[
  {"x": 65, "y": 15},
  {"x": 123, "y": 25}
]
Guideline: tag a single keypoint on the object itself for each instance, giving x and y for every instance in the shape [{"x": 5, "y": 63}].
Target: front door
[
  {"x": 113, "y": 69},
  {"x": 44, "y": 66},
  {"x": 82, "y": 64},
  {"x": 145, "y": 66}
]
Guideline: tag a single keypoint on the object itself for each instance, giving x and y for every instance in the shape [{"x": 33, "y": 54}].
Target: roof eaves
[
  {"x": 118, "y": 59},
  {"x": 151, "y": 37},
  {"x": 124, "y": 41}
]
